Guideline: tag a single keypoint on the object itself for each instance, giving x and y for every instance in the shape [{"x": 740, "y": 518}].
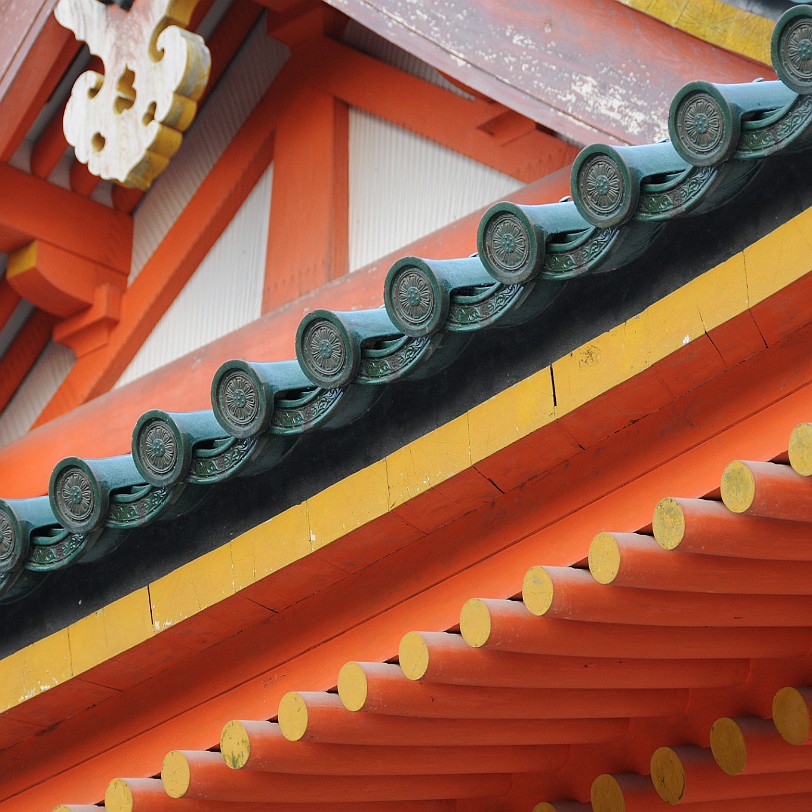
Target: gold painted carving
[{"x": 127, "y": 124}]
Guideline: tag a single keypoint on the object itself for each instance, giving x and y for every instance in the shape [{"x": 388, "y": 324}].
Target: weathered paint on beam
[
  {"x": 600, "y": 71},
  {"x": 34, "y": 52},
  {"x": 717, "y": 23}
]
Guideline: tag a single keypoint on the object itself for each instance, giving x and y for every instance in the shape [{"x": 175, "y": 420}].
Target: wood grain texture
[
  {"x": 714, "y": 22},
  {"x": 589, "y": 70},
  {"x": 128, "y": 127}
]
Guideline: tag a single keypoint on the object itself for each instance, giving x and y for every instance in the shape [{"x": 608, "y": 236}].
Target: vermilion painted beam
[
  {"x": 446, "y": 658},
  {"x": 9, "y": 299},
  {"x": 32, "y": 208},
  {"x": 81, "y": 180},
  {"x": 564, "y": 592},
  {"x": 270, "y": 752},
  {"x": 316, "y": 716},
  {"x": 632, "y": 560},
  {"x": 58, "y": 281},
  {"x": 530, "y": 57},
  {"x": 483, "y": 130},
  {"x": 148, "y": 795},
  {"x": 308, "y": 229},
  {"x": 205, "y": 776},
  {"x": 35, "y": 51},
  {"x": 23, "y": 351},
  {"x": 382, "y": 688},
  {"x": 506, "y": 626},
  {"x": 49, "y": 147}
]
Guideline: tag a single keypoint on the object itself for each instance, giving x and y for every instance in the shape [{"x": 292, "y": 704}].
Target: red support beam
[
  {"x": 308, "y": 229},
  {"x": 34, "y": 53},
  {"x": 32, "y": 208},
  {"x": 23, "y": 352},
  {"x": 482, "y": 130}
]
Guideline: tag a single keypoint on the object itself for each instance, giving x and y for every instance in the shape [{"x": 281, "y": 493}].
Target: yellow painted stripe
[
  {"x": 712, "y": 299},
  {"x": 715, "y": 22}
]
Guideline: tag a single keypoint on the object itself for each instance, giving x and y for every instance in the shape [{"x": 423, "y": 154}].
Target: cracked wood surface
[{"x": 590, "y": 71}]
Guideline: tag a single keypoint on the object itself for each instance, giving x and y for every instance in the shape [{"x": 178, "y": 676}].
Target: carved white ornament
[{"x": 127, "y": 124}]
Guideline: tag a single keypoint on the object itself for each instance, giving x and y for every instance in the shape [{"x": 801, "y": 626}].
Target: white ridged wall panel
[
  {"x": 248, "y": 77},
  {"x": 368, "y": 42},
  {"x": 224, "y": 293},
  {"x": 36, "y": 390},
  {"x": 403, "y": 186}
]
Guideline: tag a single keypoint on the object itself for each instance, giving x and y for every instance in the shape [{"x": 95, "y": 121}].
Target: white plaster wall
[
  {"x": 403, "y": 186},
  {"x": 224, "y": 293},
  {"x": 39, "y": 386},
  {"x": 368, "y": 42},
  {"x": 240, "y": 88}
]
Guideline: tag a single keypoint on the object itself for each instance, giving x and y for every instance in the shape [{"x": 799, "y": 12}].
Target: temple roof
[
  {"x": 623, "y": 200},
  {"x": 646, "y": 678}
]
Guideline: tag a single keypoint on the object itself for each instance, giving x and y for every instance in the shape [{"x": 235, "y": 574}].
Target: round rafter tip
[
  {"x": 475, "y": 622},
  {"x": 668, "y": 524},
  {"x": 118, "y": 796},
  {"x": 728, "y": 745},
  {"x": 292, "y": 716},
  {"x": 606, "y": 794},
  {"x": 791, "y": 714},
  {"x": 235, "y": 744},
  {"x": 538, "y": 590},
  {"x": 176, "y": 774},
  {"x": 738, "y": 487},
  {"x": 604, "y": 558},
  {"x": 668, "y": 775},
  {"x": 413, "y": 655},
  {"x": 352, "y": 686},
  {"x": 800, "y": 449}
]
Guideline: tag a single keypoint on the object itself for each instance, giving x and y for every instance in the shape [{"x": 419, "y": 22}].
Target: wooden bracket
[
  {"x": 300, "y": 21},
  {"x": 90, "y": 328},
  {"x": 85, "y": 294},
  {"x": 307, "y": 236}
]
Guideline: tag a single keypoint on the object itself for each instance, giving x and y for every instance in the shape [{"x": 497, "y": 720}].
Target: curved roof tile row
[
  {"x": 622, "y": 197},
  {"x": 648, "y": 678}
]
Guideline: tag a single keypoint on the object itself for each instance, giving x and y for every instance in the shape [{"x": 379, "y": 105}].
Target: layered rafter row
[{"x": 646, "y": 681}]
